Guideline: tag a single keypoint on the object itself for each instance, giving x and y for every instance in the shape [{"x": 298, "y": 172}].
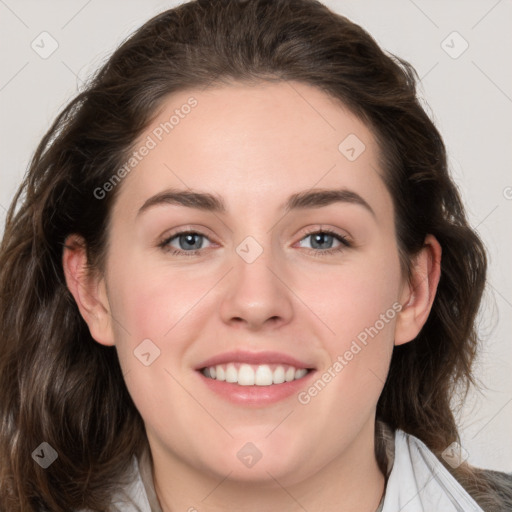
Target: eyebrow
[{"x": 314, "y": 198}]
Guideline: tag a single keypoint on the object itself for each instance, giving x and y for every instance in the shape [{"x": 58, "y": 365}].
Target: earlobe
[
  {"x": 89, "y": 291},
  {"x": 419, "y": 293}
]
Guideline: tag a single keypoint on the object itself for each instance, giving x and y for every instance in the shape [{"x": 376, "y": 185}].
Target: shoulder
[{"x": 491, "y": 490}]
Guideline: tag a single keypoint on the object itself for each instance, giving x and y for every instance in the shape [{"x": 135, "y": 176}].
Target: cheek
[
  {"x": 151, "y": 301},
  {"x": 157, "y": 305},
  {"x": 358, "y": 305},
  {"x": 355, "y": 297},
  {"x": 168, "y": 305}
]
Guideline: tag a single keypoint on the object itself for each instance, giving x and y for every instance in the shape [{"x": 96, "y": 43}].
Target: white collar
[{"x": 418, "y": 482}]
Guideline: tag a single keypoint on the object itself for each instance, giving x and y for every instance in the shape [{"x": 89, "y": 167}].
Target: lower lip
[{"x": 257, "y": 395}]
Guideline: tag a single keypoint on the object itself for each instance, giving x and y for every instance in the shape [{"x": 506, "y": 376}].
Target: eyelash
[{"x": 164, "y": 245}]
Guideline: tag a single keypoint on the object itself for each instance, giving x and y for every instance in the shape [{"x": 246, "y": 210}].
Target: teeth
[
  {"x": 221, "y": 374},
  {"x": 245, "y": 376},
  {"x": 254, "y": 375},
  {"x": 231, "y": 373},
  {"x": 300, "y": 373},
  {"x": 290, "y": 374},
  {"x": 264, "y": 376},
  {"x": 278, "y": 377}
]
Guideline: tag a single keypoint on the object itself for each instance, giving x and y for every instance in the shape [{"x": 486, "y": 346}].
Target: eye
[
  {"x": 322, "y": 242},
  {"x": 188, "y": 243}
]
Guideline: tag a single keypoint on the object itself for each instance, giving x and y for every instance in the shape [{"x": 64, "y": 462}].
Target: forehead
[{"x": 249, "y": 142}]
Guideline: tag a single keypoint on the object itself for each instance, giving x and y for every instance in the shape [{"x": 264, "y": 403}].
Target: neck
[{"x": 350, "y": 481}]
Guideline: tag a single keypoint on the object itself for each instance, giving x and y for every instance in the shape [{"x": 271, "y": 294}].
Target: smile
[{"x": 245, "y": 374}]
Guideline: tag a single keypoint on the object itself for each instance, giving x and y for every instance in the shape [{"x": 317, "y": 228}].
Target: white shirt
[{"x": 418, "y": 482}]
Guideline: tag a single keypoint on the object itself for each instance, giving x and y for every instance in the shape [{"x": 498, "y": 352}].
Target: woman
[{"x": 174, "y": 335}]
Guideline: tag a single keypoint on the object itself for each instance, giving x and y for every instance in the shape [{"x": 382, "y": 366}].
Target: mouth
[
  {"x": 245, "y": 374},
  {"x": 255, "y": 379}
]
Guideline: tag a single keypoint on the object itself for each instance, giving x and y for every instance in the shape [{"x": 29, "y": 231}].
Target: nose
[{"x": 257, "y": 295}]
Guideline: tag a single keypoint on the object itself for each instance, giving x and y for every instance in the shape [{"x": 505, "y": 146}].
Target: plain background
[{"x": 469, "y": 97}]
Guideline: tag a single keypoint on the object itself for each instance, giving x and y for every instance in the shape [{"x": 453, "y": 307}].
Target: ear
[
  {"x": 418, "y": 295},
  {"x": 88, "y": 290}
]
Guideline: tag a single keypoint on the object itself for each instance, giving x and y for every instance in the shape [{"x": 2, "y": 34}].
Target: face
[{"x": 272, "y": 282}]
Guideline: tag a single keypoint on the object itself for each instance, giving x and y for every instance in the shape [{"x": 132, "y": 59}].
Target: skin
[{"x": 255, "y": 145}]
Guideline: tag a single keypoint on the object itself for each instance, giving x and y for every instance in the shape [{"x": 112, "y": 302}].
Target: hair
[{"x": 60, "y": 386}]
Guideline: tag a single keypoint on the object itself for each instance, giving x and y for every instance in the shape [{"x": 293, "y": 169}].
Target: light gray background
[{"x": 469, "y": 98}]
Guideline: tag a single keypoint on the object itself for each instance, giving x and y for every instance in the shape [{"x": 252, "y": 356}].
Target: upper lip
[{"x": 265, "y": 357}]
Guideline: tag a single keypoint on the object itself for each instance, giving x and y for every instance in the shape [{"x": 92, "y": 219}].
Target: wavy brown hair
[{"x": 58, "y": 385}]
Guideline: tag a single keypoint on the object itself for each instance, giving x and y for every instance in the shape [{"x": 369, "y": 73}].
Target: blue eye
[
  {"x": 190, "y": 243},
  {"x": 322, "y": 237},
  {"x": 186, "y": 240}
]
